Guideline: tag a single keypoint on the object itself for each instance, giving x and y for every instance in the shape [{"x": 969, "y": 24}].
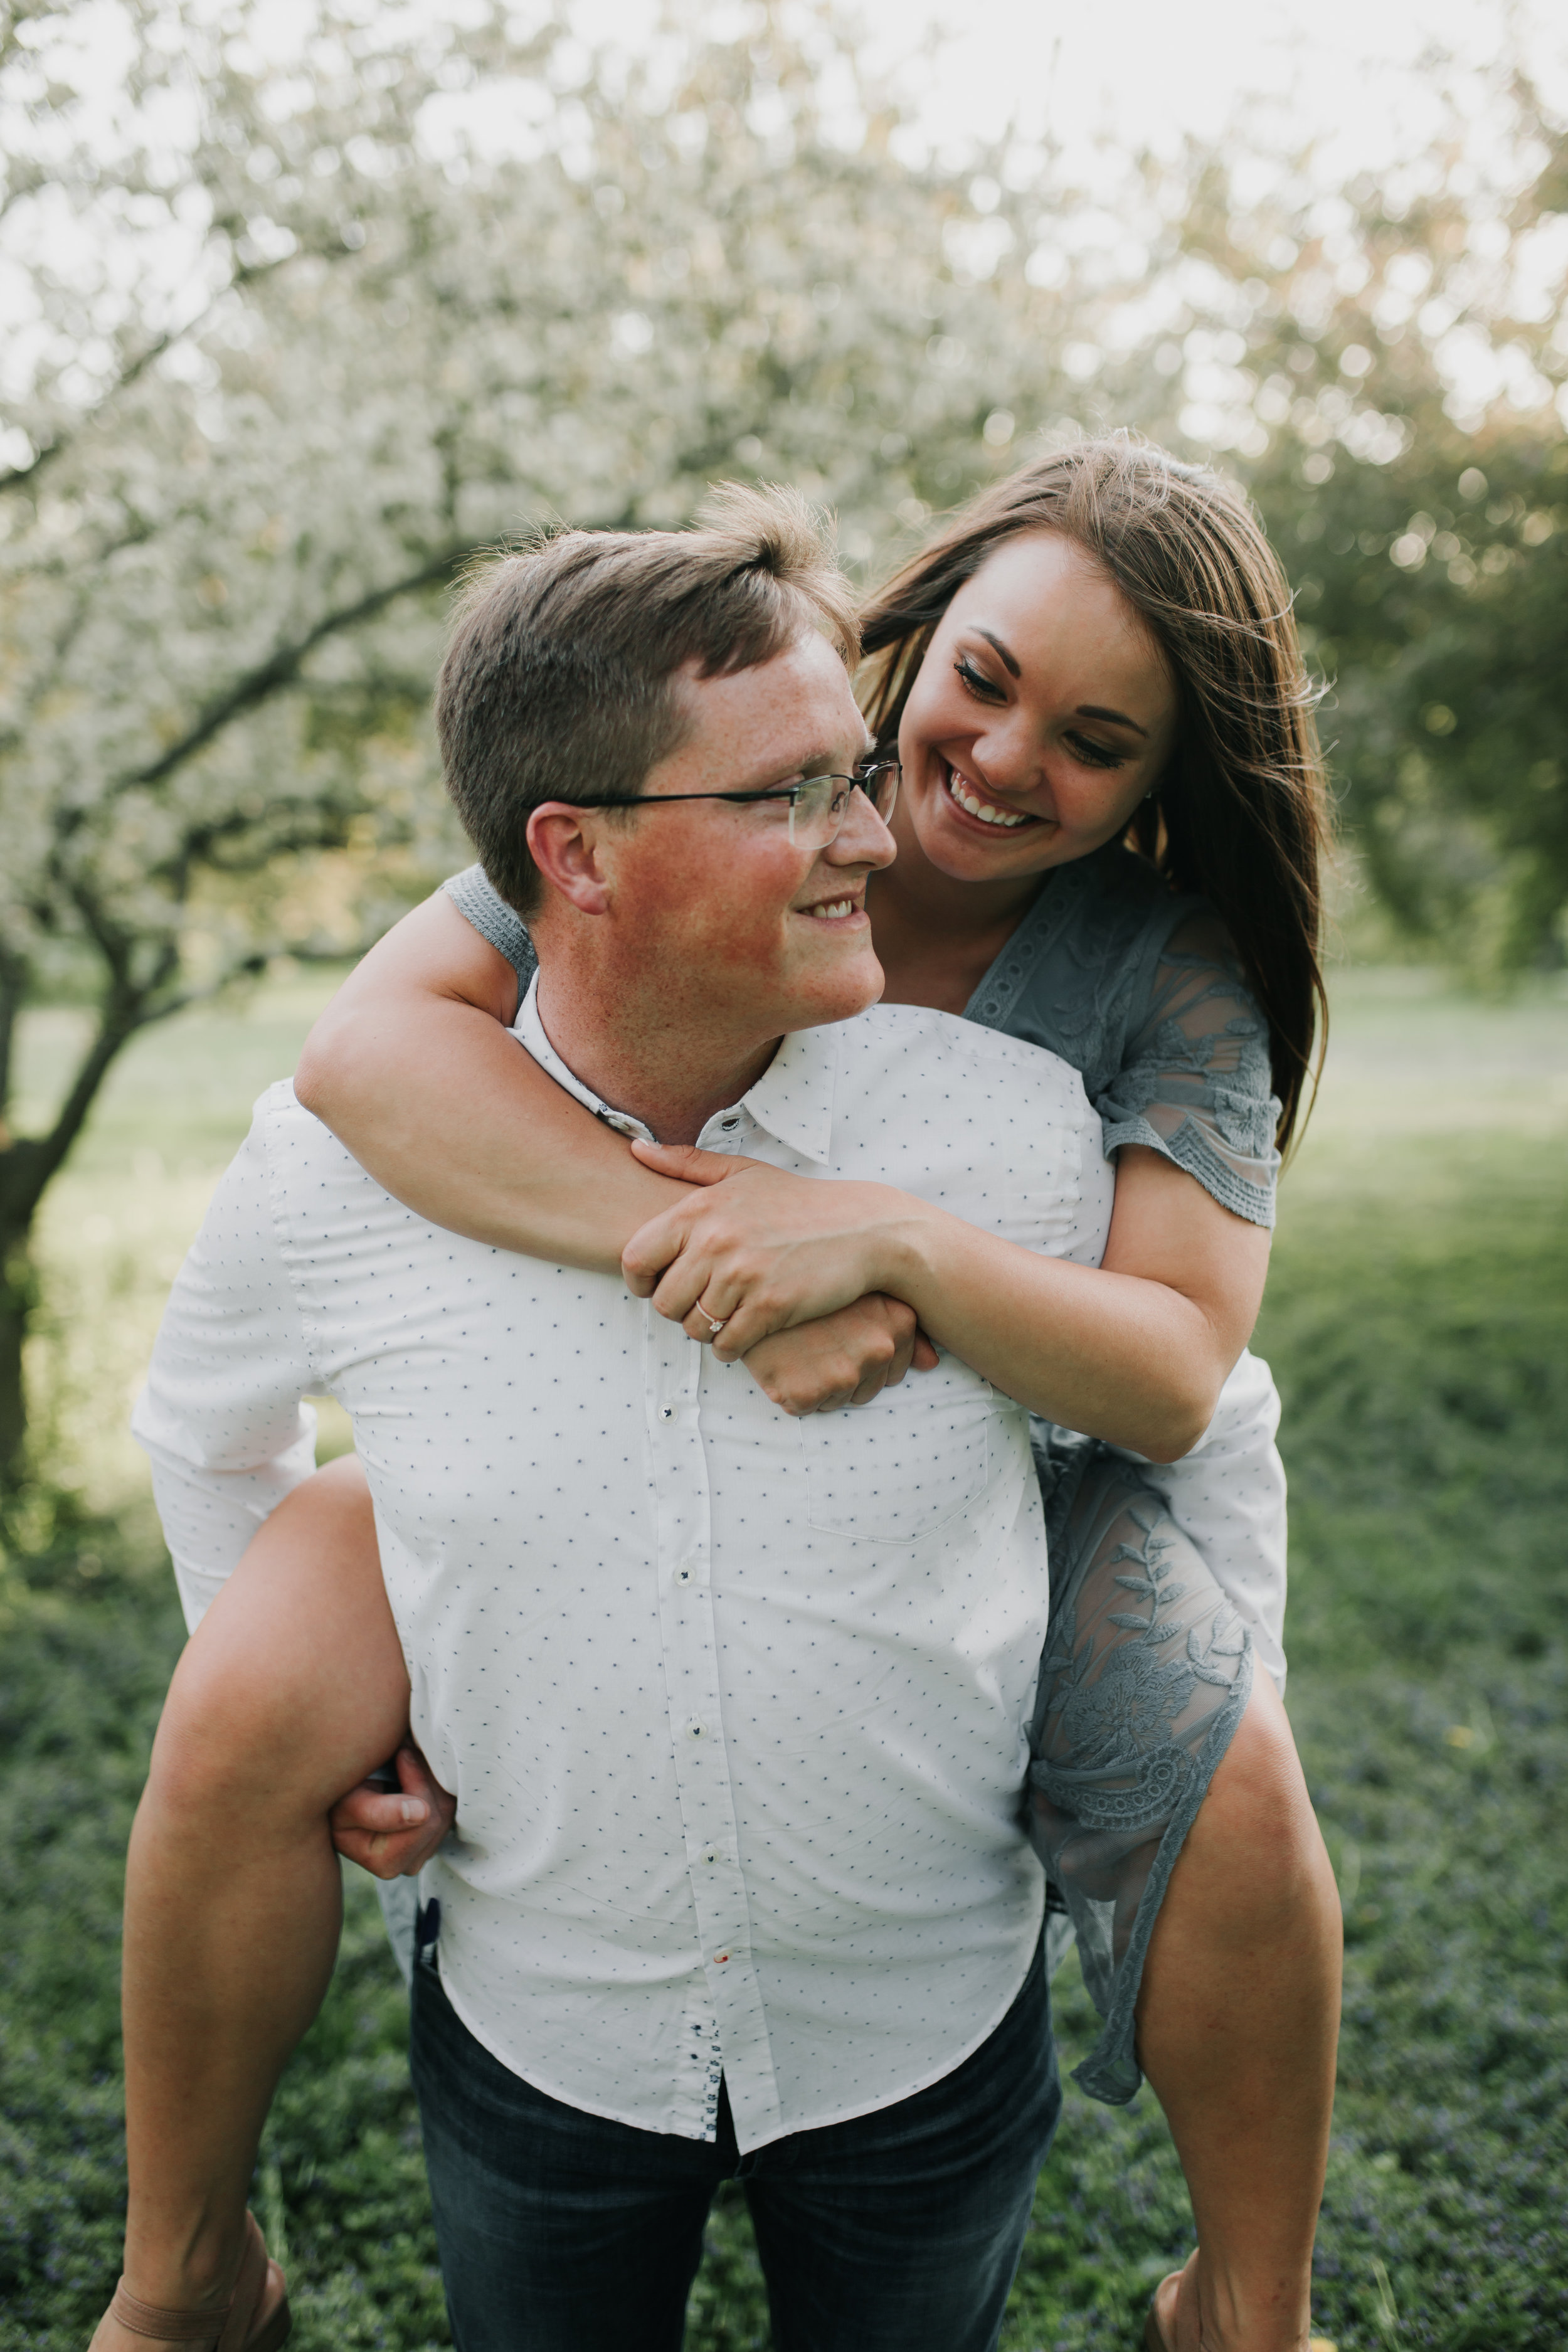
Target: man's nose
[{"x": 862, "y": 838}]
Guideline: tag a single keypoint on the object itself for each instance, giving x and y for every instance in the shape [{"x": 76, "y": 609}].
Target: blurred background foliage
[{"x": 289, "y": 341}]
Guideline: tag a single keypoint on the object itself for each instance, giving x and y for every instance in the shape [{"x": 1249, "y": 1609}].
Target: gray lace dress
[{"x": 1166, "y": 1582}]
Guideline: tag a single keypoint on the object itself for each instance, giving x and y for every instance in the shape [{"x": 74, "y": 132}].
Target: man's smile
[{"x": 834, "y": 910}]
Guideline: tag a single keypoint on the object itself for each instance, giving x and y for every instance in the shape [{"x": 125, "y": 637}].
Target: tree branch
[
  {"x": 27, "y": 1165},
  {"x": 12, "y": 988},
  {"x": 246, "y": 275},
  {"x": 281, "y": 667}
]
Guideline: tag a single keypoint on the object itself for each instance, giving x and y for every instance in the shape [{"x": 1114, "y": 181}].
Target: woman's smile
[{"x": 968, "y": 801}]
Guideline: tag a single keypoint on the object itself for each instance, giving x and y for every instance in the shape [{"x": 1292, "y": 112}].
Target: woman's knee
[
  {"x": 294, "y": 1685},
  {"x": 221, "y": 1743},
  {"x": 1255, "y": 1835}
]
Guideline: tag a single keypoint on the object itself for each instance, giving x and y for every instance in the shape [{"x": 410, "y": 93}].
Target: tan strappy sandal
[{"x": 256, "y": 2319}]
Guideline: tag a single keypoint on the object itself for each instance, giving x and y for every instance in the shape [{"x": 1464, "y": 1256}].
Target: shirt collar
[
  {"x": 529, "y": 1029},
  {"x": 792, "y": 1101}
]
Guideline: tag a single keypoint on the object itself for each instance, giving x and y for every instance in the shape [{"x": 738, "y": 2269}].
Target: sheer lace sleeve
[{"x": 1194, "y": 1079}]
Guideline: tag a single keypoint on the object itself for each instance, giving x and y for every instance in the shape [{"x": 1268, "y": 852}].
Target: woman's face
[{"x": 1042, "y": 714}]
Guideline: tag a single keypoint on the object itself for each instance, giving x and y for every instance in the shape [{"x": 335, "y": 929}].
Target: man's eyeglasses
[{"x": 816, "y": 805}]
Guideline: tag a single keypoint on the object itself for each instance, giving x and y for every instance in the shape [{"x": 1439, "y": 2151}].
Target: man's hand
[
  {"x": 841, "y": 1360},
  {"x": 394, "y": 1837},
  {"x": 762, "y": 1250}
]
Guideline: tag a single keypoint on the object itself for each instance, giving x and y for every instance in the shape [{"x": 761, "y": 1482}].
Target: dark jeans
[{"x": 896, "y": 2232}]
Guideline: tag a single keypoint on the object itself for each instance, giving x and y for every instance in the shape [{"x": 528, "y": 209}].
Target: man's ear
[{"x": 566, "y": 845}]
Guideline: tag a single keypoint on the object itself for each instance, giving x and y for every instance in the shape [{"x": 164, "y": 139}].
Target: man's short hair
[{"x": 559, "y": 675}]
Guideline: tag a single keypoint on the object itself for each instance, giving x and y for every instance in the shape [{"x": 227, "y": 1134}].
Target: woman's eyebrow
[
  {"x": 1084, "y": 711},
  {"x": 1001, "y": 649},
  {"x": 1117, "y": 718}
]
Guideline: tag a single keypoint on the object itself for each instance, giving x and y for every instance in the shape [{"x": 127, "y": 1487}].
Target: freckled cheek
[
  {"x": 740, "y": 946},
  {"x": 757, "y": 933},
  {"x": 730, "y": 912}
]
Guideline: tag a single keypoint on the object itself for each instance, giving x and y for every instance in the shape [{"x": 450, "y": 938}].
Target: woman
[{"x": 1098, "y": 647}]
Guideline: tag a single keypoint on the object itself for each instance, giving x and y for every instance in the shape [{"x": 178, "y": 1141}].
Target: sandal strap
[{"x": 172, "y": 2327}]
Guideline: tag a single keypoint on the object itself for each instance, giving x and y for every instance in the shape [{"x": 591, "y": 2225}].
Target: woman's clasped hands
[{"x": 784, "y": 1274}]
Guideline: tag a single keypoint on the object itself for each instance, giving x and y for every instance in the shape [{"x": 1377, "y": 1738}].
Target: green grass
[{"x": 1417, "y": 1324}]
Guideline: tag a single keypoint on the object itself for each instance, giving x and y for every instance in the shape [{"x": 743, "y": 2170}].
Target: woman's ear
[{"x": 564, "y": 844}]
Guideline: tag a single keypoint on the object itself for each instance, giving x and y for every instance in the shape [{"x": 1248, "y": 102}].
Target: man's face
[{"x": 745, "y": 929}]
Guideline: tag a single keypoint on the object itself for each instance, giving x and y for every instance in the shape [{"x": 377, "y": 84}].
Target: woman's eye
[
  {"x": 1095, "y": 755},
  {"x": 976, "y": 680}
]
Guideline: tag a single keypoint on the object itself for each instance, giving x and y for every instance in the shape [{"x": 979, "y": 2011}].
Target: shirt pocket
[{"x": 896, "y": 1469}]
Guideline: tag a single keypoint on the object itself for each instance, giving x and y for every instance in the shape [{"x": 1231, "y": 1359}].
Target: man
[{"x": 734, "y": 1705}]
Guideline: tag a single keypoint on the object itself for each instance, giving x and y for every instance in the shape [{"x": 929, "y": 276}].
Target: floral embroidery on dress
[{"x": 1146, "y": 1672}]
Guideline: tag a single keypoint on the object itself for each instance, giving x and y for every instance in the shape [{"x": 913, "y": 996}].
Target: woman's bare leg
[
  {"x": 291, "y": 1690},
  {"x": 1237, "y": 2030}
]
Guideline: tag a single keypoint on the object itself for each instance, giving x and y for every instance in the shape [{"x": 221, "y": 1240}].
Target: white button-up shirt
[{"x": 734, "y": 1705}]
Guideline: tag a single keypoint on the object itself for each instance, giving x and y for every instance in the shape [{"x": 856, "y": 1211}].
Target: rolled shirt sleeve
[{"x": 223, "y": 1418}]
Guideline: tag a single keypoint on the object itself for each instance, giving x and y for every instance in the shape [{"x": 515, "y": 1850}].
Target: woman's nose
[{"x": 1008, "y": 756}]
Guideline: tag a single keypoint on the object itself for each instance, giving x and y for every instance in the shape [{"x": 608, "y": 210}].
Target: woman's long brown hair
[{"x": 1240, "y": 815}]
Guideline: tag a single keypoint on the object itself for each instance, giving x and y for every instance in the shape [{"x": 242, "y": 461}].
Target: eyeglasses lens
[
  {"x": 818, "y": 809},
  {"x": 880, "y": 786}
]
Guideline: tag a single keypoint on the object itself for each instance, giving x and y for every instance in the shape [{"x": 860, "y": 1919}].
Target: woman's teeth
[
  {"x": 834, "y": 911},
  {"x": 986, "y": 811}
]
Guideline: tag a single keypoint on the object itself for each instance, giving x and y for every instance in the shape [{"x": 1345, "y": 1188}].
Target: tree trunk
[
  {"x": 18, "y": 1294},
  {"x": 27, "y": 1165}
]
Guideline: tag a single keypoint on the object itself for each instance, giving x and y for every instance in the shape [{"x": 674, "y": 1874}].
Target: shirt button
[
  {"x": 709, "y": 1857},
  {"x": 720, "y": 1958},
  {"x": 694, "y": 1730},
  {"x": 667, "y": 1413},
  {"x": 683, "y": 1576}
]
